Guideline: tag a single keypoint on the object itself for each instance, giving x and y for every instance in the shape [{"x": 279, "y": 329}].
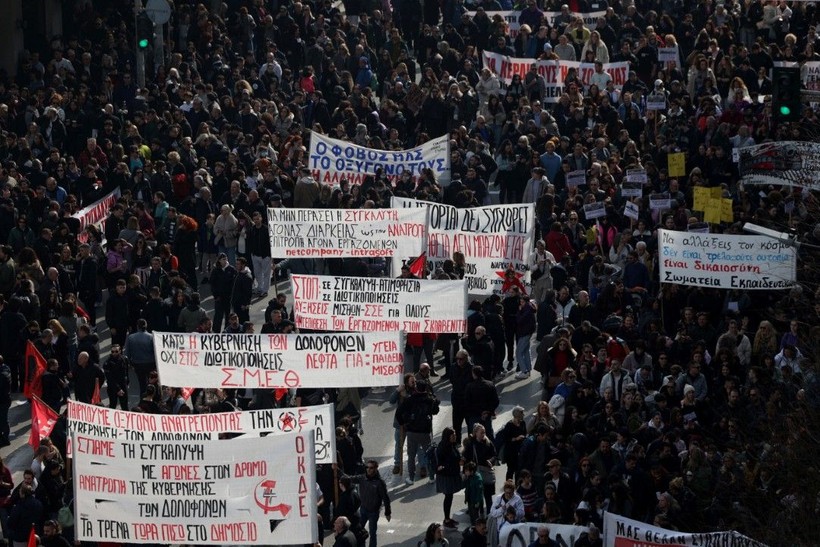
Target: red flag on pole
[
  {"x": 34, "y": 366},
  {"x": 95, "y": 397},
  {"x": 280, "y": 392},
  {"x": 32, "y": 538},
  {"x": 418, "y": 267},
  {"x": 43, "y": 418}
]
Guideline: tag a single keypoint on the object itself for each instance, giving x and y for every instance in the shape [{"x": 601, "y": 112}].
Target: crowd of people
[{"x": 660, "y": 402}]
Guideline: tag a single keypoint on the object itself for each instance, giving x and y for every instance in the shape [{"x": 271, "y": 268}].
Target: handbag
[
  {"x": 487, "y": 473},
  {"x": 65, "y": 517}
]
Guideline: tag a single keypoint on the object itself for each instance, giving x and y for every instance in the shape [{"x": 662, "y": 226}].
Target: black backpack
[{"x": 432, "y": 459}]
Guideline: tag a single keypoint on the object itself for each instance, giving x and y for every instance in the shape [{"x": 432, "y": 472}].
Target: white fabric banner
[
  {"x": 369, "y": 304},
  {"x": 523, "y": 534},
  {"x": 331, "y": 160},
  {"x": 254, "y": 491},
  {"x": 491, "y": 238},
  {"x": 95, "y": 214},
  {"x": 784, "y": 163},
  {"x": 725, "y": 261},
  {"x": 554, "y": 72},
  {"x": 100, "y": 421},
  {"x": 268, "y": 361},
  {"x": 623, "y": 532},
  {"x": 337, "y": 233}
]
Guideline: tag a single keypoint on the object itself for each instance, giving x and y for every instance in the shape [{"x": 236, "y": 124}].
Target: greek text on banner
[
  {"x": 725, "y": 261},
  {"x": 249, "y": 491},
  {"x": 338, "y": 233},
  {"x": 98, "y": 421},
  {"x": 371, "y": 304},
  {"x": 623, "y": 532},
  {"x": 268, "y": 361},
  {"x": 331, "y": 160},
  {"x": 492, "y": 238}
]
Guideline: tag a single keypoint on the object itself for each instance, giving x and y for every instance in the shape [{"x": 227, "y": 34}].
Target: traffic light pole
[{"x": 137, "y": 50}]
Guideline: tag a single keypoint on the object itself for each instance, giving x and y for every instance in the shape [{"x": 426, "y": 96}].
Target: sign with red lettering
[
  {"x": 623, "y": 532},
  {"x": 85, "y": 419},
  {"x": 331, "y": 160},
  {"x": 338, "y": 233},
  {"x": 95, "y": 214},
  {"x": 249, "y": 491},
  {"x": 492, "y": 239},
  {"x": 369, "y": 304},
  {"x": 270, "y": 361},
  {"x": 553, "y": 71}
]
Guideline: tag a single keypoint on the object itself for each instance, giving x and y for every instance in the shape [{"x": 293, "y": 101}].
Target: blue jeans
[
  {"x": 417, "y": 444},
  {"x": 230, "y": 252},
  {"x": 522, "y": 353},
  {"x": 370, "y": 521}
]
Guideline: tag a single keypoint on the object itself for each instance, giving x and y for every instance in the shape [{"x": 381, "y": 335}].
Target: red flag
[
  {"x": 280, "y": 392},
  {"x": 419, "y": 266},
  {"x": 34, "y": 367},
  {"x": 186, "y": 392},
  {"x": 95, "y": 397},
  {"x": 32, "y": 538},
  {"x": 43, "y": 418}
]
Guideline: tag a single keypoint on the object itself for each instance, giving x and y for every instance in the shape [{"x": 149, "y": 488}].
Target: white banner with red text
[
  {"x": 95, "y": 214},
  {"x": 339, "y": 233},
  {"x": 250, "y": 491},
  {"x": 270, "y": 361},
  {"x": 623, "y": 532},
  {"x": 331, "y": 160},
  {"x": 725, "y": 261},
  {"x": 99, "y": 421},
  {"x": 492, "y": 239},
  {"x": 379, "y": 304},
  {"x": 554, "y": 72}
]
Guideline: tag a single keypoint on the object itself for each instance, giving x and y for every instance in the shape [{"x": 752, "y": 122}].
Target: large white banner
[
  {"x": 325, "y": 233},
  {"x": 554, "y": 72},
  {"x": 331, "y": 160},
  {"x": 511, "y": 18},
  {"x": 725, "y": 261},
  {"x": 250, "y": 491},
  {"x": 269, "y": 361},
  {"x": 371, "y": 304},
  {"x": 810, "y": 74},
  {"x": 95, "y": 214},
  {"x": 623, "y": 532},
  {"x": 491, "y": 238},
  {"x": 784, "y": 163},
  {"x": 525, "y": 533},
  {"x": 100, "y": 421}
]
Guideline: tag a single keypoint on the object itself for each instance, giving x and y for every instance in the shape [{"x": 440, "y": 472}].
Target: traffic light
[
  {"x": 145, "y": 31},
  {"x": 786, "y": 104}
]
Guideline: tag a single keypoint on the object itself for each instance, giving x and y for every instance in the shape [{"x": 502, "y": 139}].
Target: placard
[
  {"x": 676, "y": 162},
  {"x": 656, "y": 101},
  {"x": 783, "y": 163},
  {"x": 492, "y": 238},
  {"x": 370, "y": 304},
  {"x": 698, "y": 227},
  {"x": 269, "y": 361},
  {"x": 331, "y": 160},
  {"x": 660, "y": 201},
  {"x": 727, "y": 213},
  {"x": 636, "y": 175},
  {"x": 623, "y": 532},
  {"x": 594, "y": 210},
  {"x": 631, "y": 190},
  {"x": 666, "y": 54},
  {"x": 250, "y": 491},
  {"x": 338, "y": 233},
  {"x": 701, "y": 196},
  {"x": 576, "y": 178},
  {"x": 631, "y": 210},
  {"x": 725, "y": 261},
  {"x": 100, "y": 421},
  {"x": 553, "y": 71},
  {"x": 713, "y": 211}
]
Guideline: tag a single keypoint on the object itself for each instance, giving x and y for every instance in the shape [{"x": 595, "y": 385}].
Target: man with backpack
[{"x": 416, "y": 415}]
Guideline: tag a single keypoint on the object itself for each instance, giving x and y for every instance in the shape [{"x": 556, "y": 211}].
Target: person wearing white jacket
[
  {"x": 488, "y": 84},
  {"x": 507, "y": 498},
  {"x": 616, "y": 379}
]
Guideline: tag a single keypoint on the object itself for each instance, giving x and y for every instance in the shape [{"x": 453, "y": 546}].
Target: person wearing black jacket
[
  {"x": 416, "y": 415},
  {"x": 222, "y": 278},
  {"x": 26, "y": 514},
  {"x": 482, "y": 401},
  {"x": 116, "y": 313},
  {"x": 448, "y": 472},
  {"x": 242, "y": 290},
  {"x": 5, "y": 402},
  {"x": 481, "y": 350},
  {"x": 53, "y": 386},
  {"x": 373, "y": 492},
  {"x": 510, "y": 305},
  {"x": 116, "y": 374},
  {"x": 86, "y": 281},
  {"x": 12, "y": 323},
  {"x": 460, "y": 376},
  {"x": 85, "y": 375}
]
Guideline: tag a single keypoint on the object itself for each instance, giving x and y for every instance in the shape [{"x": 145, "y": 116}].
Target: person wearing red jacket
[
  {"x": 557, "y": 242},
  {"x": 422, "y": 342}
]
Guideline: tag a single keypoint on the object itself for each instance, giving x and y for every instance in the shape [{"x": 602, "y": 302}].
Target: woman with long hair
[
  {"x": 448, "y": 472},
  {"x": 434, "y": 536},
  {"x": 480, "y": 450}
]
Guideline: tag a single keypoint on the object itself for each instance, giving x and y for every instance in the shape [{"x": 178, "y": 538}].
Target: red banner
[{"x": 43, "y": 419}]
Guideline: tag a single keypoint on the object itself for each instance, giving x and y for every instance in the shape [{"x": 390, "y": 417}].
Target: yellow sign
[
  {"x": 726, "y": 212},
  {"x": 677, "y": 164},
  {"x": 701, "y": 194},
  {"x": 712, "y": 212},
  {"x": 716, "y": 192}
]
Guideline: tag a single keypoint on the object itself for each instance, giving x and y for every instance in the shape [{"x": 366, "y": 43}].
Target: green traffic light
[
  {"x": 144, "y": 44},
  {"x": 785, "y": 110}
]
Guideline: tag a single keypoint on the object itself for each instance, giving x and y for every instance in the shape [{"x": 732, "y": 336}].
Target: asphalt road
[{"x": 414, "y": 507}]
